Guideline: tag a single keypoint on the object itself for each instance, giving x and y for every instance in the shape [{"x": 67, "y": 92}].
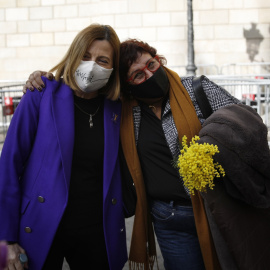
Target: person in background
[{"x": 60, "y": 184}]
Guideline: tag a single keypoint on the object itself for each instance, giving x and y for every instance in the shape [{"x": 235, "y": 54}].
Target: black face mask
[{"x": 155, "y": 87}]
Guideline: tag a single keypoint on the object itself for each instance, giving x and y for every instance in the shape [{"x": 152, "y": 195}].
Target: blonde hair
[{"x": 67, "y": 66}]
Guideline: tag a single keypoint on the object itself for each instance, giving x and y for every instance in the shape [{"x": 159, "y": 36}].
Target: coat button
[
  {"x": 114, "y": 201},
  {"x": 28, "y": 229},
  {"x": 41, "y": 199}
]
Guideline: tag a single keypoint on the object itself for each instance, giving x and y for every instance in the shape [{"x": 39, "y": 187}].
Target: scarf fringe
[{"x": 144, "y": 266}]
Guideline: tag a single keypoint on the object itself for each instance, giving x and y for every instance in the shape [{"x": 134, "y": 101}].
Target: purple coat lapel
[
  {"x": 63, "y": 109},
  {"x": 112, "y": 116}
]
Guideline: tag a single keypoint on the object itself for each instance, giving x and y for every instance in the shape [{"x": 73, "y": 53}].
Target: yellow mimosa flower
[{"x": 196, "y": 165}]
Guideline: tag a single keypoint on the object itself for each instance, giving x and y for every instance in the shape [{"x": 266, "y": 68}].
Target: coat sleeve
[{"x": 15, "y": 152}]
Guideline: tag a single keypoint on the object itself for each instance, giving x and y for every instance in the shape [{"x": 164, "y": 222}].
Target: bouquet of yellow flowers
[{"x": 196, "y": 165}]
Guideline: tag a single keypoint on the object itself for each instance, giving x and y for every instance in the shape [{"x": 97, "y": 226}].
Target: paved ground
[{"x": 129, "y": 224}]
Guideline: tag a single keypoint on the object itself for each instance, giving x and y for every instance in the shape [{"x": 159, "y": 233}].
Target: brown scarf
[{"x": 142, "y": 250}]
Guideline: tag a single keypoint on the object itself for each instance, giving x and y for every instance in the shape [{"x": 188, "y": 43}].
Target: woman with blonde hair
[{"x": 60, "y": 185}]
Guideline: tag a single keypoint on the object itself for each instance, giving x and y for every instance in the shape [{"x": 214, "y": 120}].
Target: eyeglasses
[{"x": 139, "y": 76}]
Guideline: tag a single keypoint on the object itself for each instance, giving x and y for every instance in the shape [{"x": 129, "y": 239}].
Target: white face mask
[{"x": 91, "y": 77}]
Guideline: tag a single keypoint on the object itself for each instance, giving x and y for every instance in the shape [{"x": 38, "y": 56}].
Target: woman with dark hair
[
  {"x": 158, "y": 109},
  {"x": 60, "y": 185}
]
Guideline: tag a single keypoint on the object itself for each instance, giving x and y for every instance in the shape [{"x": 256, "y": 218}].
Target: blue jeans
[{"x": 177, "y": 237}]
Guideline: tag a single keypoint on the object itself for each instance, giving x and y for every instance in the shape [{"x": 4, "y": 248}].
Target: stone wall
[{"x": 35, "y": 34}]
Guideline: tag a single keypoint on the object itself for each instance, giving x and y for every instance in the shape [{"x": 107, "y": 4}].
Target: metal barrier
[
  {"x": 10, "y": 96},
  {"x": 254, "y": 69},
  {"x": 253, "y": 92},
  {"x": 202, "y": 69}
]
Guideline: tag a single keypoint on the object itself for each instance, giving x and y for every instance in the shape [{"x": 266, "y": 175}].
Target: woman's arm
[{"x": 16, "y": 150}]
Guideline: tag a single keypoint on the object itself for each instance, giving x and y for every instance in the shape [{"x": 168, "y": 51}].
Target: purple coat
[{"x": 36, "y": 160}]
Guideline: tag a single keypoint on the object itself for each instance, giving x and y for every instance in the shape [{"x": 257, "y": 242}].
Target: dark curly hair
[{"x": 130, "y": 51}]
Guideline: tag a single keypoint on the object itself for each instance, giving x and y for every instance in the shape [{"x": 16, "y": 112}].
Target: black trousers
[{"x": 84, "y": 249}]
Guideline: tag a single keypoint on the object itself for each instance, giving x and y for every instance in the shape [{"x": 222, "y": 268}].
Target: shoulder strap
[{"x": 201, "y": 96}]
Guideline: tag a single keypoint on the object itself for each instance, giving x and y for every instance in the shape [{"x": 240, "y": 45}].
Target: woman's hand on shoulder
[
  {"x": 14, "y": 251},
  {"x": 35, "y": 81}
]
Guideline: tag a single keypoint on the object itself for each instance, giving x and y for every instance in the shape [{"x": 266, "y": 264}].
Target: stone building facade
[{"x": 35, "y": 34}]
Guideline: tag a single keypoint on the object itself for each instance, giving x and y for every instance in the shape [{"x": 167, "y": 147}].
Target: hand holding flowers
[{"x": 196, "y": 165}]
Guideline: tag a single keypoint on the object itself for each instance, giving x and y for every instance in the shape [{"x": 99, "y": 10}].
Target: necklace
[
  {"x": 154, "y": 108},
  {"x": 90, "y": 115}
]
